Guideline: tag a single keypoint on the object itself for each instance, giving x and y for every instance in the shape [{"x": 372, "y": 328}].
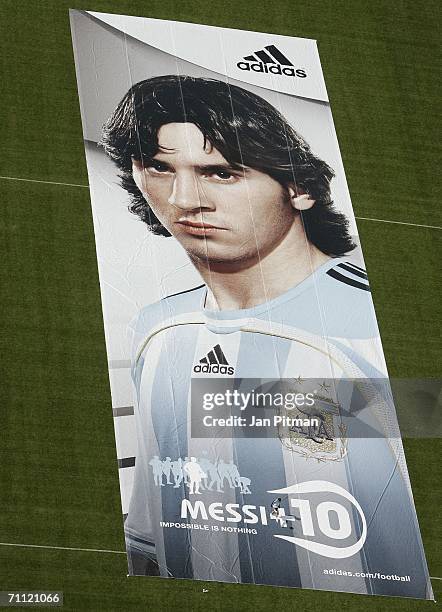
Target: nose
[{"x": 186, "y": 193}]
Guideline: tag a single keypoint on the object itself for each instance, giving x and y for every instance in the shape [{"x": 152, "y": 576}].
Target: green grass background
[{"x": 58, "y": 469}]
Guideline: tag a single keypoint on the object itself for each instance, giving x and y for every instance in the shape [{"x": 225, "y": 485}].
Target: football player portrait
[{"x": 220, "y": 170}]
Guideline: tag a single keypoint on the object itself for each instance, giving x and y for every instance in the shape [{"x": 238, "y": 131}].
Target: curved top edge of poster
[{"x": 285, "y": 64}]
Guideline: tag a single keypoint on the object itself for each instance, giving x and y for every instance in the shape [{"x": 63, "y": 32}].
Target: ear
[{"x": 300, "y": 200}]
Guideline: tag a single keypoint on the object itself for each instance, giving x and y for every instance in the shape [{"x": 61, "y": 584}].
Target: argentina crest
[{"x": 317, "y": 431}]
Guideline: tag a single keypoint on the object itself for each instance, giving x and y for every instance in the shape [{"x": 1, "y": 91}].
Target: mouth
[{"x": 199, "y": 229}]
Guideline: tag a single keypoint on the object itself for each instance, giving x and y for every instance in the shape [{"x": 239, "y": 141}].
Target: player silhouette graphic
[
  {"x": 199, "y": 474},
  {"x": 195, "y": 473}
]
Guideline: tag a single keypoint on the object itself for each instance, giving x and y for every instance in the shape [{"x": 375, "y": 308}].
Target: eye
[
  {"x": 223, "y": 174},
  {"x": 156, "y": 166}
]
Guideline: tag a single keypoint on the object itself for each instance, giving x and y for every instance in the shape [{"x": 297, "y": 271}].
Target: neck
[{"x": 239, "y": 286}]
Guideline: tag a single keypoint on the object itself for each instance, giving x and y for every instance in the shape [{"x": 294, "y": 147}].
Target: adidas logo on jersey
[
  {"x": 215, "y": 362},
  {"x": 272, "y": 60},
  {"x": 350, "y": 274}
]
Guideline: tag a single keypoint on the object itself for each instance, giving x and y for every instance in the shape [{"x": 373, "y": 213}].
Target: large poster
[{"x": 256, "y": 435}]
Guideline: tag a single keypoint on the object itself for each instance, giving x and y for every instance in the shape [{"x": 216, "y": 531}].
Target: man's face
[{"x": 218, "y": 214}]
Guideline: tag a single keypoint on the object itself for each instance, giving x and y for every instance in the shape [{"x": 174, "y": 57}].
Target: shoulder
[
  {"x": 344, "y": 285},
  {"x": 350, "y": 316},
  {"x": 344, "y": 276},
  {"x": 347, "y": 302},
  {"x": 153, "y": 315},
  {"x": 189, "y": 300}
]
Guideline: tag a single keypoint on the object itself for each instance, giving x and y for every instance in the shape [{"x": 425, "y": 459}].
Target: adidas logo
[
  {"x": 271, "y": 59},
  {"x": 214, "y": 363}
]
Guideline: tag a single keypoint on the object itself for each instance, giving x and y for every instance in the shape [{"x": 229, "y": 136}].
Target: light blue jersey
[{"x": 202, "y": 507}]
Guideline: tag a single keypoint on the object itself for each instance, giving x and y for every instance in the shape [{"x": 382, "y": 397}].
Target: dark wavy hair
[{"x": 244, "y": 128}]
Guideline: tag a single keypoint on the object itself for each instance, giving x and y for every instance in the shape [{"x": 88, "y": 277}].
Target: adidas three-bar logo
[
  {"x": 350, "y": 274},
  {"x": 271, "y": 59},
  {"x": 215, "y": 362}
]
